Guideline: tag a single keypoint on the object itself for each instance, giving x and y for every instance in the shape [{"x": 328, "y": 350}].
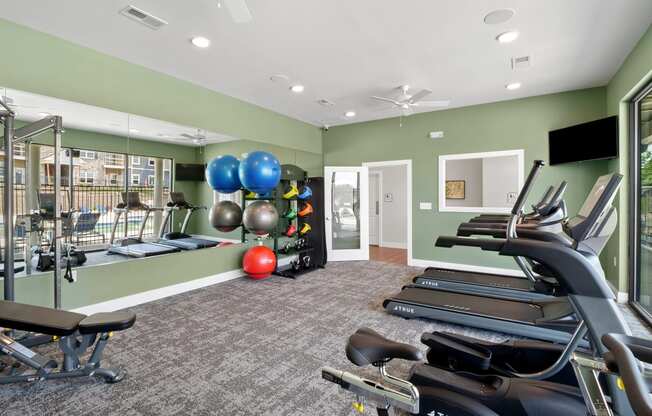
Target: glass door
[
  {"x": 641, "y": 284},
  {"x": 347, "y": 213}
]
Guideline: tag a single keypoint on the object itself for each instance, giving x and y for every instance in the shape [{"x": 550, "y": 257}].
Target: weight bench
[{"x": 76, "y": 334}]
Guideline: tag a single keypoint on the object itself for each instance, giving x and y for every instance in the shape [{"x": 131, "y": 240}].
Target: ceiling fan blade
[
  {"x": 441, "y": 103},
  {"x": 388, "y": 100},
  {"x": 189, "y": 136},
  {"x": 238, "y": 9},
  {"x": 416, "y": 97}
]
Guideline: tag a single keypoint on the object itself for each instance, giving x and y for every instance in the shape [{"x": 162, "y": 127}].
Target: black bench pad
[
  {"x": 32, "y": 318},
  {"x": 106, "y": 322}
]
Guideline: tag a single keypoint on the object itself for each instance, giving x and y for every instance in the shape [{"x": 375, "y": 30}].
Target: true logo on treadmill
[
  {"x": 400, "y": 308},
  {"x": 436, "y": 413}
]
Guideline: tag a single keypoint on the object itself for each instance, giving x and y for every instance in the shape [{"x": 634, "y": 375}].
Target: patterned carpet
[{"x": 238, "y": 348}]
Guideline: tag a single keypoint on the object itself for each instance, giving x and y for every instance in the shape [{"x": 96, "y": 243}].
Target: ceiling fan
[
  {"x": 198, "y": 138},
  {"x": 237, "y": 8},
  {"x": 407, "y": 101}
]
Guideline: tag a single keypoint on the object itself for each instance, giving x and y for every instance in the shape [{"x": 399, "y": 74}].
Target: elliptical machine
[{"x": 442, "y": 388}]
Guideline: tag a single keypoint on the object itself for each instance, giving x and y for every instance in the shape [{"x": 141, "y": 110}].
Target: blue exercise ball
[
  {"x": 222, "y": 174},
  {"x": 260, "y": 172}
]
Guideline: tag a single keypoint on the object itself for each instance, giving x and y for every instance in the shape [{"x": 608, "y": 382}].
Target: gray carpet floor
[{"x": 240, "y": 348}]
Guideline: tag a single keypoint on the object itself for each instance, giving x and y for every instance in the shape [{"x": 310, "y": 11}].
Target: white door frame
[
  {"x": 408, "y": 164},
  {"x": 361, "y": 253},
  {"x": 380, "y": 205}
]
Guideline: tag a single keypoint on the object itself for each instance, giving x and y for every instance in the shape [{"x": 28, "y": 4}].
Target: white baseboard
[
  {"x": 621, "y": 297},
  {"x": 391, "y": 244},
  {"x": 466, "y": 267},
  {"x": 163, "y": 292}
]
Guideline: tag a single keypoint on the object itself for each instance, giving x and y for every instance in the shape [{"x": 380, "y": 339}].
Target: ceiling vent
[
  {"x": 143, "y": 17},
  {"x": 521, "y": 62}
]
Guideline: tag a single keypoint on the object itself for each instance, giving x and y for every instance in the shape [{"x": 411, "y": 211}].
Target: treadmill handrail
[
  {"x": 527, "y": 186},
  {"x": 573, "y": 270},
  {"x": 494, "y": 244}
]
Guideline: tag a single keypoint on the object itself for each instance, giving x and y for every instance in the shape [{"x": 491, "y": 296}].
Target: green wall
[
  {"x": 43, "y": 64},
  {"x": 517, "y": 124},
  {"x": 309, "y": 161},
  {"x": 634, "y": 73},
  {"x": 102, "y": 283}
]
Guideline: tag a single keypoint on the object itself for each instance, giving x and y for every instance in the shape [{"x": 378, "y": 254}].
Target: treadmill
[
  {"x": 549, "y": 226},
  {"x": 135, "y": 246},
  {"x": 547, "y": 319},
  {"x": 180, "y": 239}
]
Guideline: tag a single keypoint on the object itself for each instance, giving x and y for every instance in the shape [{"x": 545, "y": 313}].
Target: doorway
[{"x": 390, "y": 211}]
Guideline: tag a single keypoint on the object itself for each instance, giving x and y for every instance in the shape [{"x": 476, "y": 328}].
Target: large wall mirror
[
  {"x": 480, "y": 182},
  {"x": 104, "y": 154}
]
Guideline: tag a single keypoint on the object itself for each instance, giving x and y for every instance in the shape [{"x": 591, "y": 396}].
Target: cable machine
[{"x": 25, "y": 135}]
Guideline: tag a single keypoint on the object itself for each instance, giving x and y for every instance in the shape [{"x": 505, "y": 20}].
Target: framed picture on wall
[{"x": 455, "y": 189}]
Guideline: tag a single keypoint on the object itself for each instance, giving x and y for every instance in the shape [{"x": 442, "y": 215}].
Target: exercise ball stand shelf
[{"x": 315, "y": 245}]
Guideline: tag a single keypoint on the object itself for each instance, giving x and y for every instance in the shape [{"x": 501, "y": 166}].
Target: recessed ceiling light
[
  {"x": 200, "y": 42},
  {"x": 134, "y": 131},
  {"x": 499, "y": 16},
  {"x": 507, "y": 37},
  {"x": 44, "y": 114},
  {"x": 513, "y": 86},
  {"x": 349, "y": 114},
  {"x": 297, "y": 88}
]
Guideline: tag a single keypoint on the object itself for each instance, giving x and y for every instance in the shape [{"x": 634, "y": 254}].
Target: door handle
[{"x": 377, "y": 208}]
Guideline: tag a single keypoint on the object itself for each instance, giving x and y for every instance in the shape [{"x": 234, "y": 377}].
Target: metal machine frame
[{"x": 25, "y": 135}]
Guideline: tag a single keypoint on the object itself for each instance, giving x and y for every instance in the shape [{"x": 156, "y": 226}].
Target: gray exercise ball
[
  {"x": 225, "y": 216},
  {"x": 260, "y": 217}
]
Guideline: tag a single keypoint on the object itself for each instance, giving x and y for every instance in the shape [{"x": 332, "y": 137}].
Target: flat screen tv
[
  {"x": 189, "y": 172},
  {"x": 587, "y": 141}
]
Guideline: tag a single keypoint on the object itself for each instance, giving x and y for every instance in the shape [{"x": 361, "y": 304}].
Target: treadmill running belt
[
  {"x": 189, "y": 243},
  {"x": 485, "y": 279},
  {"x": 507, "y": 310}
]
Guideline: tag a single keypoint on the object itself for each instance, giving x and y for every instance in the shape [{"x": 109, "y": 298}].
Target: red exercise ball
[{"x": 259, "y": 262}]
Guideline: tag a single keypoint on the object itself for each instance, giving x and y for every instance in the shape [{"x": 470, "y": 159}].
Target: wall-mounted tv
[
  {"x": 189, "y": 172},
  {"x": 587, "y": 141}
]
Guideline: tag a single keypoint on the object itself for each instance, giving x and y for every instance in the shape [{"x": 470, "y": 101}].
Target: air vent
[
  {"x": 521, "y": 62},
  {"x": 143, "y": 17}
]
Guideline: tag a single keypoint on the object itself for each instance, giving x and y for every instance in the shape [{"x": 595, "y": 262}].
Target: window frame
[
  {"x": 135, "y": 160},
  {"x": 131, "y": 179},
  {"x": 634, "y": 266}
]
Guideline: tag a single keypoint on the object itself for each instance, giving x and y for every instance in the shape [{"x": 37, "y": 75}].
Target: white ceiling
[
  {"x": 30, "y": 107},
  {"x": 348, "y": 50}
]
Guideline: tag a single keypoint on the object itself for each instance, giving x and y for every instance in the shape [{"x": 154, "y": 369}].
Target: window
[
  {"x": 19, "y": 176},
  {"x": 135, "y": 160},
  {"x": 86, "y": 154},
  {"x": 113, "y": 159},
  {"x": 113, "y": 179},
  {"x": 135, "y": 179},
  {"x": 150, "y": 180},
  {"x": 151, "y": 162},
  {"x": 86, "y": 177},
  {"x": 641, "y": 204},
  {"x": 19, "y": 150}
]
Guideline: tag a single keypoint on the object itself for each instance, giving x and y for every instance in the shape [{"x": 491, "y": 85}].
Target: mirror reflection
[
  {"x": 480, "y": 182},
  {"x": 119, "y": 178}
]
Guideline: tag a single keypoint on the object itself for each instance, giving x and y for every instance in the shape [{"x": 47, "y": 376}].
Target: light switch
[{"x": 425, "y": 205}]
